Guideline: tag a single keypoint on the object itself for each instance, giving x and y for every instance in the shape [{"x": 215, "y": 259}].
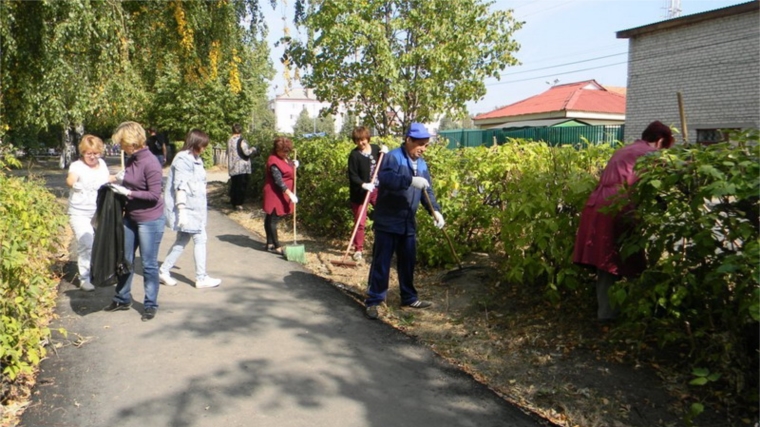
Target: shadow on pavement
[
  {"x": 242, "y": 241},
  {"x": 354, "y": 367}
]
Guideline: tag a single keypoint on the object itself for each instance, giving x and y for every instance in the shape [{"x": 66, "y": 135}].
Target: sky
[{"x": 562, "y": 41}]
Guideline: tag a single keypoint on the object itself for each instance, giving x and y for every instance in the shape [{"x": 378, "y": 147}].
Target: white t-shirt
[{"x": 83, "y": 197}]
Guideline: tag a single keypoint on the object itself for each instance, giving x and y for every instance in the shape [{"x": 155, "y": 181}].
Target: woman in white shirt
[{"x": 86, "y": 175}]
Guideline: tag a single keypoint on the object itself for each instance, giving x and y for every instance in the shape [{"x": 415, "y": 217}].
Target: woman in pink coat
[{"x": 596, "y": 244}]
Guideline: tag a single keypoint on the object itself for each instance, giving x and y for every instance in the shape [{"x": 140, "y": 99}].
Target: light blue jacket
[{"x": 186, "y": 174}]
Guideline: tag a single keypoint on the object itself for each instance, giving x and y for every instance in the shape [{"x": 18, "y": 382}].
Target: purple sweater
[{"x": 142, "y": 175}]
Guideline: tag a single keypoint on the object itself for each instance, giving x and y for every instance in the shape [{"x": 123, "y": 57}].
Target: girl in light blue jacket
[{"x": 186, "y": 210}]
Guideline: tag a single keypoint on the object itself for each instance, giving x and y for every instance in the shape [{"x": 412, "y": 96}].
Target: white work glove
[
  {"x": 439, "y": 222},
  {"x": 78, "y": 186},
  {"x": 120, "y": 177},
  {"x": 182, "y": 220},
  {"x": 368, "y": 186},
  {"x": 120, "y": 189},
  {"x": 293, "y": 197},
  {"x": 384, "y": 149},
  {"x": 180, "y": 199},
  {"x": 420, "y": 183},
  {"x": 296, "y": 163}
]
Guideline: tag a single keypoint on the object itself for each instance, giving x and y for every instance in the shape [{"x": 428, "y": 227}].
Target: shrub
[
  {"x": 698, "y": 222},
  {"x": 323, "y": 206},
  {"x": 30, "y": 226}
]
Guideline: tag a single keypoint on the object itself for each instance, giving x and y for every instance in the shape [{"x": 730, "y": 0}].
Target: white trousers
[
  {"x": 84, "y": 235},
  {"x": 199, "y": 253}
]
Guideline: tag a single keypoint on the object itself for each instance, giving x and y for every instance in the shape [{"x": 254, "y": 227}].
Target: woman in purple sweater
[{"x": 143, "y": 219}]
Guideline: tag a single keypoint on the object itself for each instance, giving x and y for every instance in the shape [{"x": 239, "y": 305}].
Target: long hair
[{"x": 195, "y": 141}]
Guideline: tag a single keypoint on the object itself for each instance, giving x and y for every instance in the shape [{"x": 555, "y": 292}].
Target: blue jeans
[
  {"x": 147, "y": 236},
  {"x": 385, "y": 245},
  {"x": 199, "y": 252}
]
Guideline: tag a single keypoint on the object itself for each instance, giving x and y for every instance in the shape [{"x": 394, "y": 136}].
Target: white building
[{"x": 288, "y": 106}]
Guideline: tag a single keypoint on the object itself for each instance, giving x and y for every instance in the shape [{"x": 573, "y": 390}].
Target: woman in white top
[{"x": 86, "y": 175}]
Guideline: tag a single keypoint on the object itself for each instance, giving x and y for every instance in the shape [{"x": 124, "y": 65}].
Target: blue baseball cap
[{"x": 417, "y": 131}]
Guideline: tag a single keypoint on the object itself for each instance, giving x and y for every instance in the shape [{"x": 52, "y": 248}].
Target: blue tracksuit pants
[{"x": 405, "y": 248}]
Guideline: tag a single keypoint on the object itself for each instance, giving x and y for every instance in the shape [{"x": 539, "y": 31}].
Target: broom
[
  {"x": 343, "y": 262},
  {"x": 295, "y": 252}
]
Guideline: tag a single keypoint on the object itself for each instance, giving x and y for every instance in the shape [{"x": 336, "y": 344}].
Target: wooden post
[{"x": 684, "y": 129}]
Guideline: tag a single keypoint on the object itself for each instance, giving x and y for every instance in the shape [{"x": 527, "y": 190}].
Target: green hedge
[
  {"x": 31, "y": 223},
  {"x": 698, "y": 223},
  {"x": 522, "y": 200}
]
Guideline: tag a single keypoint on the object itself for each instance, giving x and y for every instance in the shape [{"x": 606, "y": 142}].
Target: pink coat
[{"x": 596, "y": 242}]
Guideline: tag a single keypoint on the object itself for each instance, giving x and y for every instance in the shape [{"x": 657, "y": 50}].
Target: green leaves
[
  {"x": 174, "y": 64},
  {"x": 698, "y": 222},
  {"x": 415, "y": 59},
  {"x": 703, "y": 376},
  {"x": 305, "y": 124},
  {"x": 28, "y": 238}
]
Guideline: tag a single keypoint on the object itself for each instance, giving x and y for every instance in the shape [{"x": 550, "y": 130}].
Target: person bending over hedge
[{"x": 599, "y": 232}]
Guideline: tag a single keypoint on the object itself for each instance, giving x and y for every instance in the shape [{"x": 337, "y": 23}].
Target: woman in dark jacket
[{"x": 362, "y": 162}]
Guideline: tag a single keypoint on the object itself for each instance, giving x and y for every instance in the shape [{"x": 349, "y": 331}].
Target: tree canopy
[
  {"x": 399, "y": 61},
  {"x": 172, "y": 64},
  {"x": 449, "y": 123},
  {"x": 306, "y": 124}
]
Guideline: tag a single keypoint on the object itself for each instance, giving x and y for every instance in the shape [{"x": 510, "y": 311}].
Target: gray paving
[{"x": 273, "y": 346}]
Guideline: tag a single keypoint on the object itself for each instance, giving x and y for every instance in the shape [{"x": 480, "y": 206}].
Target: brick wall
[{"x": 715, "y": 65}]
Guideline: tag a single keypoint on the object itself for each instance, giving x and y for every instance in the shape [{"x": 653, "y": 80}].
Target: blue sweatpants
[{"x": 405, "y": 248}]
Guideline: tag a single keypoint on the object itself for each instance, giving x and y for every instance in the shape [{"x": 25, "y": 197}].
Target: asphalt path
[{"x": 274, "y": 345}]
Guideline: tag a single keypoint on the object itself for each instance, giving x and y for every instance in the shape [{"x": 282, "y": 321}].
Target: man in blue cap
[{"x": 402, "y": 178}]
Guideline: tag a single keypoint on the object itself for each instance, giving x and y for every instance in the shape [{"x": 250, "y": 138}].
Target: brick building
[{"x": 712, "y": 58}]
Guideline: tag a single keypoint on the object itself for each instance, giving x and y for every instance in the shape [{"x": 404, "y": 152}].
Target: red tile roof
[{"x": 587, "y": 96}]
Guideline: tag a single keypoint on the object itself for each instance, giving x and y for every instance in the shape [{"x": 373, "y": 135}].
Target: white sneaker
[
  {"x": 208, "y": 282},
  {"x": 86, "y": 286},
  {"x": 357, "y": 256},
  {"x": 166, "y": 279}
]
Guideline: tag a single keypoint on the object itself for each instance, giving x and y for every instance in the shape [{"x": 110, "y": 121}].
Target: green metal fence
[{"x": 550, "y": 135}]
